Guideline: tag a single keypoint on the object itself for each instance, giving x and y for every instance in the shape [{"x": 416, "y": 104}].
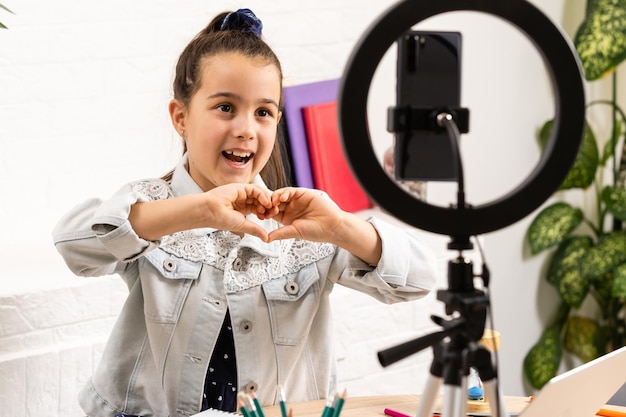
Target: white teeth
[{"x": 239, "y": 154}]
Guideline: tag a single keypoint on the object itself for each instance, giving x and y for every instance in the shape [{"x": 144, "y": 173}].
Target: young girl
[{"x": 228, "y": 281}]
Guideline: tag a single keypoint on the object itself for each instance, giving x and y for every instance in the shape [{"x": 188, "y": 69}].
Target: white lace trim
[
  {"x": 156, "y": 189},
  {"x": 243, "y": 267}
]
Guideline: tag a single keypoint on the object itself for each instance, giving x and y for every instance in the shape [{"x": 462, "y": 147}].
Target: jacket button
[
  {"x": 251, "y": 387},
  {"x": 246, "y": 326},
  {"x": 169, "y": 265},
  {"x": 292, "y": 288}
]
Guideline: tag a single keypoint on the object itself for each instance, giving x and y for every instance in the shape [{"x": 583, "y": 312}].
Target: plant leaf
[
  {"x": 606, "y": 255},
  {"x": 603, "y": 290},
  {"x": 610, "y": 147},
  {"x": 583, "y": 338},
  {"x": 3, "y": 7},
  {"x": 541, "y": 363},
  {"x": 591, "y": 5},
  {"x": 573, "y": 288},
  {"x": 568, "y": 256},
  {"x": 601, "y": 38},
  {"x": 619, "y": 281},
  {"x": 552, "y": 225},
  {"x": 615, "y": 200},
  {"x": 544, "y": 133},
  {"x": 583, "y": 172},
  {"x": 565, "y": 271}
]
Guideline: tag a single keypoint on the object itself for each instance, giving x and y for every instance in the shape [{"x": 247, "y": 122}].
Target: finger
[
  {"x": 266, "y": 198},
  {"x": 282, "y": 195},
  {"x": 273, "y": 213},
  {"x": 265, "y": 213},
  {"x": 284, "y": 232},
  {"x": 258, "y": 195},
  {"x": 254, "y": 229}
]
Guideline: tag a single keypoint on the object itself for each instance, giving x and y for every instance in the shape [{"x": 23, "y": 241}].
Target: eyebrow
[{"x": 237, "y": 97}]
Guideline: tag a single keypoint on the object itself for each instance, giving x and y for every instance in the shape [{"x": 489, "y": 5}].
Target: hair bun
[{"x": 244, "y": 20}]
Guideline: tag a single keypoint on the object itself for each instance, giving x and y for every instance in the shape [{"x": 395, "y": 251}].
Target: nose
[{"x": 244, "y": 126}]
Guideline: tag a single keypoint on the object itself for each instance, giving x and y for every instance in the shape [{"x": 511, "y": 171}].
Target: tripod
[{"x": 455, "y": 348}]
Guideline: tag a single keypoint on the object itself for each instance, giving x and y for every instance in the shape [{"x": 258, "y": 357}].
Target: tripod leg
[
  {"x": 462, "y": 400},
  {"x": 496, "y": 400},
  {"x": 454, "y": 401},
  {"x": 455, "y": 398},
  {"x": 455, "y": 377},
  {"x": 426, "y": 404}
]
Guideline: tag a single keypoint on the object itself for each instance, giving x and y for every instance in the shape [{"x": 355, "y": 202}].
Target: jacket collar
[{"x": 183, "y": 184}]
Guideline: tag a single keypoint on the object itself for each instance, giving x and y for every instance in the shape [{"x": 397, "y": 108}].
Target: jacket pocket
[
  {"x": 165, "y": 281},
  {"x": 293, "y": 301}
]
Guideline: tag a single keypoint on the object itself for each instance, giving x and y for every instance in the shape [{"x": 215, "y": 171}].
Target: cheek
[
  {"x": 202, "y": 151},
  {"x": 205, "y": 136},
  {"x": 269, "y": 142}
]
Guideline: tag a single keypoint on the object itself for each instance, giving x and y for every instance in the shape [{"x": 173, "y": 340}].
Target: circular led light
[{"x": 557, "y": 158}]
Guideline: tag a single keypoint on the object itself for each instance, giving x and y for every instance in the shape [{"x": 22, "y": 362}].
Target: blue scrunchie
[{"x": 242, "y": 19}]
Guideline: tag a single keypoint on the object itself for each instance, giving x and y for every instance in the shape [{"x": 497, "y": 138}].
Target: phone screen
[{"x": 428, "y": 76}]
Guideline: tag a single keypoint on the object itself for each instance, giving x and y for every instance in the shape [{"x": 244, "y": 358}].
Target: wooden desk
[{"x": 374, "y": 406}]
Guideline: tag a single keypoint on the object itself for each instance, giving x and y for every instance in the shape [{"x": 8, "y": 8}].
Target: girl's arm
[
  {"x": 101, "y": 237},
  {"x": 359, "y": 237},
  {"x": 223, "y": 208}
]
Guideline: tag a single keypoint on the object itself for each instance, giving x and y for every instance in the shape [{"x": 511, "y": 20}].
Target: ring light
[{"x": 556, "y": 160}]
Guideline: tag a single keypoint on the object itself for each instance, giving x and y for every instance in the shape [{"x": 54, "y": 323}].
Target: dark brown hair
[{"x": 214, "y": 40}]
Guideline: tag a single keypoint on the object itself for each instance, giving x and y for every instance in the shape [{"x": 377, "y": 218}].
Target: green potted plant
[{"x": 588, "y": 262}]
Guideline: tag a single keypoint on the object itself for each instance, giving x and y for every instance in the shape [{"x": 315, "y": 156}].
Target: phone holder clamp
[{"x": 409, "y": 118}]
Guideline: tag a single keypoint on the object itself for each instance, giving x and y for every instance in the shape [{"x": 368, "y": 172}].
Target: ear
[{"x": 177, "y": 115}]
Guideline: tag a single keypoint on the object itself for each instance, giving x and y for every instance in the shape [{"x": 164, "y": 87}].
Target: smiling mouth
[{"x": 237, "y": 156}]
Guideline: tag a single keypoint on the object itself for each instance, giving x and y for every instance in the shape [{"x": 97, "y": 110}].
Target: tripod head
[{"x": 462, "y": 299}]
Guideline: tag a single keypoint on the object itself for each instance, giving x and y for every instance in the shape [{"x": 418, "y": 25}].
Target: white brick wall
[
  {"x": 50, "y": 341},
  {"x": 84, "y": 87}
]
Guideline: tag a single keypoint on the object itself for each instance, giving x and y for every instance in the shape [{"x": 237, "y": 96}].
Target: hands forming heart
[{"x": 303, "y": 213}]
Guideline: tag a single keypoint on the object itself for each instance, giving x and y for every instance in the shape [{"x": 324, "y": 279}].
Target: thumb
[
  {"x": 283, "y": 232},
  {"x": 254, "y": 229}
]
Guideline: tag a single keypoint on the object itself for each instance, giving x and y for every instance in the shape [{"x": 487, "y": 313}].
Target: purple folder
[{"x": 296, "y": 97}]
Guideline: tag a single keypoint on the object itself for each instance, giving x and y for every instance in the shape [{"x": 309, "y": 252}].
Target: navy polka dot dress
[{"x": 220, "y": 387}]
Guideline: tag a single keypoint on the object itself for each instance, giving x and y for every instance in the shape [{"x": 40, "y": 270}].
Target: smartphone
[{"x": 428, "y": 77}]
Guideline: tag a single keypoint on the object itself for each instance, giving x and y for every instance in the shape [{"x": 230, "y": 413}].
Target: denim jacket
[{"x": 180, "y": 287}]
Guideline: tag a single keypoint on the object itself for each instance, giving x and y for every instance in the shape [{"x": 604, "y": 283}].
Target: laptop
[{"x": 582, "y": 391}]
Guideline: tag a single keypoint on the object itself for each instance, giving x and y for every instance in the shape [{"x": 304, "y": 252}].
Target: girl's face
[{"x": 230, "y": 123}]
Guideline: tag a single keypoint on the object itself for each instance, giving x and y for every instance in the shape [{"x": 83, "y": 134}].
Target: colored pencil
[
  {"x": 394, "y": 413},
  {"x": 282, "y": 401},
  {"x": 339, "y": 404},
  {"x": 330, "y": 402}
]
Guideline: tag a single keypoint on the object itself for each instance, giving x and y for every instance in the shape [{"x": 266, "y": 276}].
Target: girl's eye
[
  {"x": 264, "y": 113},
  {"x": 225, "y": 108}
]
